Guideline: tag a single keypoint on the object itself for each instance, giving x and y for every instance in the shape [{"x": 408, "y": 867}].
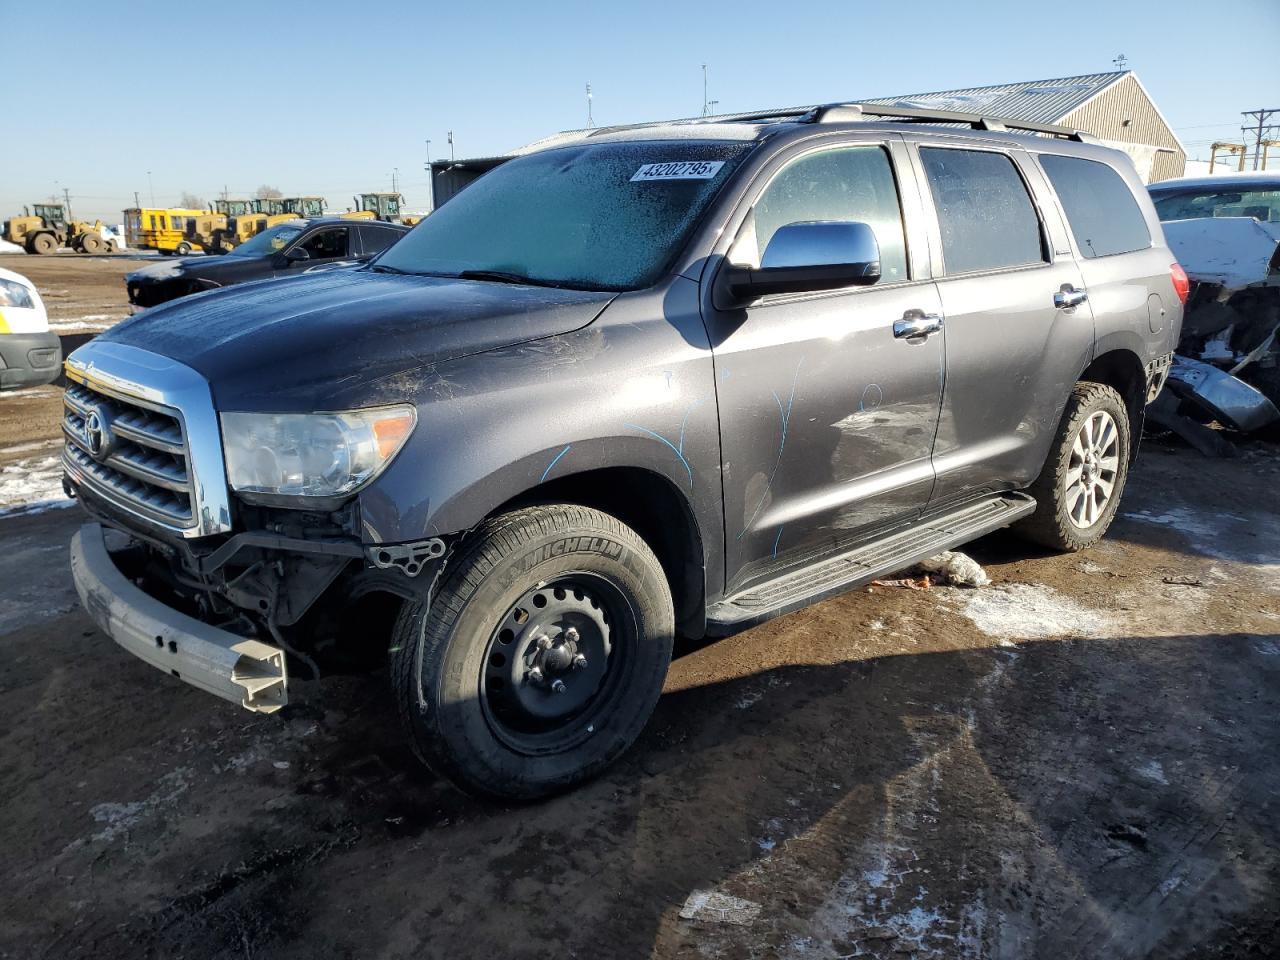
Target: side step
[{"x": 925, "y": 538}]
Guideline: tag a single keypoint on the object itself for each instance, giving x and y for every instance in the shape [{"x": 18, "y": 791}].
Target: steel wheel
[
  {"x": 552, "y": 663},
  {"x": 1092, "y": 469}
]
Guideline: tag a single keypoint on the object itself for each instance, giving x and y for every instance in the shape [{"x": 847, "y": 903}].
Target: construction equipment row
[
  {"x": 44, "y": 228},
  {"x": 230, "y": 223}
]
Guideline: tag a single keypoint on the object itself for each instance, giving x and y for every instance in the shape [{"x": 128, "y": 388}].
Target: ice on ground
[
  {"x": 120, "y": 818},
  {"x": 94, "y": 321},
  {"x": 712, "y": 907},
  {"x": 32, "y": 486},
  {"x": 1024, "y": 611},
  {"x": 7, "y": 247},
  {"x": 1253, "y": 540},
  {"x": 1153, "y": 771}
]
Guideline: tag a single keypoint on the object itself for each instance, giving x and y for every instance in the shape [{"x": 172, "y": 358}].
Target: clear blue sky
[{"x": 327, "y": 98}]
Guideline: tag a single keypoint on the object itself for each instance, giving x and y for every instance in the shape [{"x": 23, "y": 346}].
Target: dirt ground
[{"x": 1079, "y": 761}]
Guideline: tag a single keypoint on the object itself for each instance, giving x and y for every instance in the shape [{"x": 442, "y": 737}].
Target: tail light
[{"x": 1181, "y": 285}]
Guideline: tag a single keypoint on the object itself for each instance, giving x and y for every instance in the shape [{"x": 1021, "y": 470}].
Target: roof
[
  {"x": 1232, "y": 180},
  {"x": 1038, "y": 101}
]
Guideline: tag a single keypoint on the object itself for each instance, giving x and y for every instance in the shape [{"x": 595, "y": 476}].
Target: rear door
[
  {"x": 1125, "y": 274},
  {"x": 826, "y": 417},
  {"x": 1012, "y": 355}
]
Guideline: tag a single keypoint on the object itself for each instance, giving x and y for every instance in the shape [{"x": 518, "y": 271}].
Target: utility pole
[
  {"x": 431, "y": 179},
  {"x": 151, "y": 188},
  {"x": 136, "y": 202},
  {"x": 66, "y": 196},
  {"x": 1259, "y": 132},
  {"x": 395, "y": 179},
  {"x": 705, "y": 106},
  {"x": 590, "y": 120},
  {"x": 451, "y": 146}
]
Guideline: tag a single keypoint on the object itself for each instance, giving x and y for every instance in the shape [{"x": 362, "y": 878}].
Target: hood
[
  {"x": 323, "y": 339},
  {"x": 1232, "y": 251},
  {"x": 172, "y": 267}
]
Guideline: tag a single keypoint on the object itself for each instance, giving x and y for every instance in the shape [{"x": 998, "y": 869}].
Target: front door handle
[
  {"x": 916, "y": 324},
  {"x": 1068, "y": 297}
]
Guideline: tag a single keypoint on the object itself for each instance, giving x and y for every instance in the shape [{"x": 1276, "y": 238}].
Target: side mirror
[
  {"x": 296, "y": 255},
  {"x": 808, "y": 256}
]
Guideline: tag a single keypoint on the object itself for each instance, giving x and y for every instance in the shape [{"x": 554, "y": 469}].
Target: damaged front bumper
[{"x": 242, "y": 670}]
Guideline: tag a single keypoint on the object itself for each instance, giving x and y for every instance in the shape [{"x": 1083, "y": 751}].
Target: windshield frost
[{"x": 575, "y": 216}]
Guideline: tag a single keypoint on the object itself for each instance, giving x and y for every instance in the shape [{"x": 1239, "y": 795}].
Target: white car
[{"x": 30, "y": 353}]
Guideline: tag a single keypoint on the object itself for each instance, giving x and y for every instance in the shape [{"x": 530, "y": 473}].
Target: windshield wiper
[
  {"x": 503, "y": 276},
  {"x": 383, "y": 268}
]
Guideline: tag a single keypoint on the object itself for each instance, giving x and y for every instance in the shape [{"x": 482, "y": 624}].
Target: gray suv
[{"x": 650, "y": 381}]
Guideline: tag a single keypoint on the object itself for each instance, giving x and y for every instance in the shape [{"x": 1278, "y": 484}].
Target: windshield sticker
[{"x": 681, "y": 170}]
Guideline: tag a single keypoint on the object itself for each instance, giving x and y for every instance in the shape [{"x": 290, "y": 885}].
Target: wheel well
[
  {"x": 1123, "y": 372},
  {"x": 653, "y": 508}
]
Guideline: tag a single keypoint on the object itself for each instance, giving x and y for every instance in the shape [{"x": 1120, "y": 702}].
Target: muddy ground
[{"x": 1077, "y": 761}]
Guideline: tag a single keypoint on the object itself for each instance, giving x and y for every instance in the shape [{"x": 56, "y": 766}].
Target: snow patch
[
  {"x": 7, "y": 247},
  {"x": 120, "y": 818},
  {"x": 32, "y": 486},
  {"x": 1252, "y": 541},
  {"x": 1024, "y": 611},
  {"x": 1153, "y": 771}
]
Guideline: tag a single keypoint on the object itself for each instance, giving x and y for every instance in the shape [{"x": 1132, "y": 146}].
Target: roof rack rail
[{"x": 843, "y": 112}]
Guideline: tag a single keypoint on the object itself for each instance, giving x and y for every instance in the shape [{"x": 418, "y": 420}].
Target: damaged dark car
[
  {"x": 285, "y": 250},
  {"x": 647, "y": 382},
  {"x": 1225, "y": 231}
]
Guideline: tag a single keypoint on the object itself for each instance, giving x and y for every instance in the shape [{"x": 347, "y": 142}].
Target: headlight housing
[{"x": 311, "y": 455}]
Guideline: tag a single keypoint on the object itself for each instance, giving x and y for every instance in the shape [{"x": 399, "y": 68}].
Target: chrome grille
[{"x": 134, "y": 454}]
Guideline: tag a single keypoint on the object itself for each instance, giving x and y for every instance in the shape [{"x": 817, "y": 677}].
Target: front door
[{"x": 826, "y": 417}]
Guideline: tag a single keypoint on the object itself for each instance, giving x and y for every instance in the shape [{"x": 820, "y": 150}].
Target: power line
[{"x": 1262, "y": 131}]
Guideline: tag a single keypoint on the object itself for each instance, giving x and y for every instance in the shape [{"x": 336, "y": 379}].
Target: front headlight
[{"x": 312, "y": 454}]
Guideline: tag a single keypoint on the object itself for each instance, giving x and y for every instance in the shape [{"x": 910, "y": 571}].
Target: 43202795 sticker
[{"x": 679, "y": 170}]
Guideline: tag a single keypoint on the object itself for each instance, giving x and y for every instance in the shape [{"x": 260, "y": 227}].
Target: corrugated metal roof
[{"x": 1038, "y": 101}]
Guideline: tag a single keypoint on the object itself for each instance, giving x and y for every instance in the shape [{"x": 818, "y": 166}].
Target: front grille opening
[{"x": 139, "y": 461}]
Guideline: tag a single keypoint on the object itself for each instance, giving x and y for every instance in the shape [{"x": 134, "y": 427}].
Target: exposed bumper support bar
[{"x": 248, "y": 672}]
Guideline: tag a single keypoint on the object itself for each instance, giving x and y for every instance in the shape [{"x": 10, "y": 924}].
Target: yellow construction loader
[{"x": 44, "y": 228}]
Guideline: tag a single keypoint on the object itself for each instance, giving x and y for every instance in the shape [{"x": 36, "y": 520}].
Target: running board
[{"x": 925, "y": 538}]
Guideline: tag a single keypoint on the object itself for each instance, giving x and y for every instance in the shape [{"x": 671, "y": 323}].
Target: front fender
[{"x": 633, "y": 389}]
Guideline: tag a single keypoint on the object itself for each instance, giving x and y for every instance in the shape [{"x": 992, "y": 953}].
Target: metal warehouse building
[{"x": 1114, "y": 107}]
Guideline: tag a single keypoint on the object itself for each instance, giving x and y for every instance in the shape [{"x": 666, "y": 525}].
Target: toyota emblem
[{"x": 97, "y": 435}]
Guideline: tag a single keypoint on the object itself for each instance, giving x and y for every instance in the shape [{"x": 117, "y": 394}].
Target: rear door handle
[
  {"x": 916, "y": 324},
  {"x": 1068, "y": 297}
]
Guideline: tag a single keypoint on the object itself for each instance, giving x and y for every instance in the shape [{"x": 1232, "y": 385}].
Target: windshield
[
  {"x": 269, "y": 241},
  {"x": 1261, "y": 204},
  {"x": 607, "y": 216}
]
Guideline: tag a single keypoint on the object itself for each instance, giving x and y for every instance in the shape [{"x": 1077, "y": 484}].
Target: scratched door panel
[{"x": 827, "y": 424}]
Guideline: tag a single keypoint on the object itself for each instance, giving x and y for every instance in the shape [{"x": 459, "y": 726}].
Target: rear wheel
[
  {"x": 542, "y": 655},
  {"x": 1078, "y": 491},
  {"x": 44, "y": 244},
  {"x": 183, "y": 249}
]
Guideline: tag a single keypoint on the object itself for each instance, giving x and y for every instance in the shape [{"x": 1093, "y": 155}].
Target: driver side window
[
  {"x": 326, "y": 244},
  {"x": 849, "y": 183}
]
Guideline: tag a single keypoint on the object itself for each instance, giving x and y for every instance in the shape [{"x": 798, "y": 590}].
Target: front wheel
[
  {"x": 1078, "y": 491},
  {"x": 542, "y": 654}
]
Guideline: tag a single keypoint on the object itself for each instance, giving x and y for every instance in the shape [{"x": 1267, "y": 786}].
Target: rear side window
[
  {"x": 1104, "y": 217},
  {"x": 984, "y": 211},
  {"x": 377, "y": 239},
  {"x": 849, "y": 183}
]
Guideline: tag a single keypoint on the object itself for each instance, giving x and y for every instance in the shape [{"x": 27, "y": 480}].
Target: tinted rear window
[
  {"x": 1105, "y": 218},
  {"x": 984, "y": 211}
]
